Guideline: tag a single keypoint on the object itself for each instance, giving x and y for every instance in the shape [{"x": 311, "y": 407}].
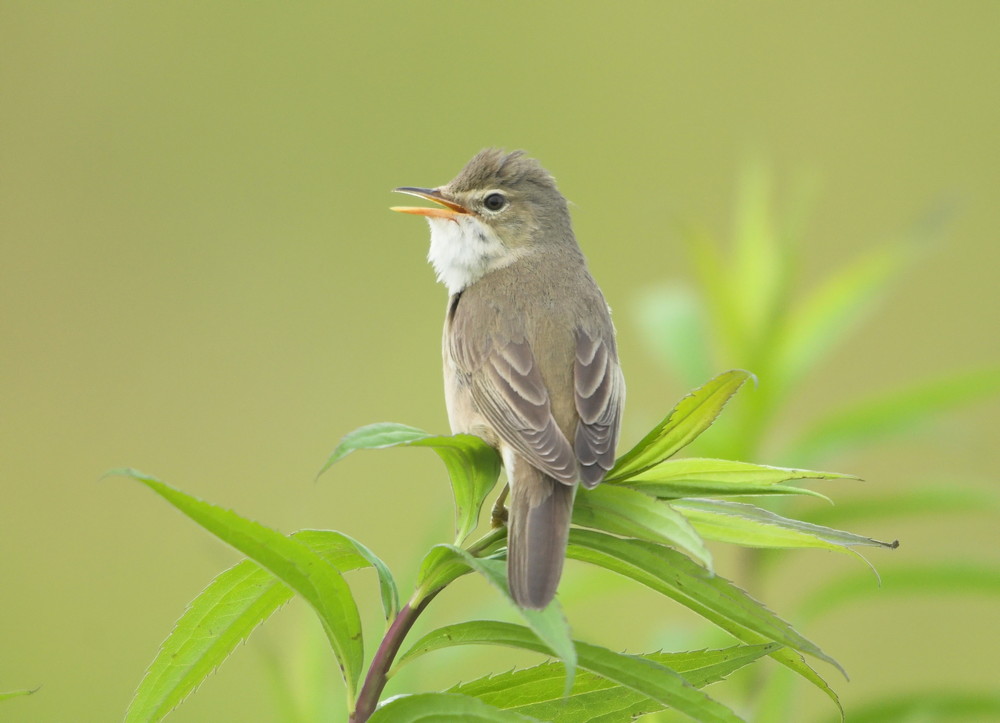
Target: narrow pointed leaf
[
  {"x": 693, "y": 477},
  {"x": 293, "y": 562},
  {"x": 875, "y": 419},
  {"x": 623, "y": 511},
  {"x": 473, "y": 466},
  {"x": 216, "y": 621},
  {"x": 346, "y": 553},
  {"x": 691, "y": 469},
  {"x": 426, "y": 707},
  {"x": 537, "y": 691},
  {"x": 760, "y": 264},
  {"x": 642, "y": 675},
  {"x": 440, "y": 567},
  {"x": 445, "y": 563},
  {"x": 825, "y": 317},
  {"x": 374, "y": 436},
  {"x": 711, "y": 596},
  {"x": 692, "y": 416},
  {"x": 743, "y": 524},
  {"x": 226, "y": 613},
  {"x": 8, "y": 694}
]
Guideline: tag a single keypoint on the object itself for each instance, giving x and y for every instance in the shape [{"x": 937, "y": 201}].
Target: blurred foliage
[{"x": 747, "y": 309}]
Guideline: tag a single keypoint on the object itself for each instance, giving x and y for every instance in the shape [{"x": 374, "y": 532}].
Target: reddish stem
[{"x": 376, "y": 679}]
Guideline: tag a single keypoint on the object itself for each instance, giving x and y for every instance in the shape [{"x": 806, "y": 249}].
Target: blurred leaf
[
  {"x": 673, "y": 325},
  {"x": 759, "y": 262},
  {"x": 931, "y": 707},
  {"x": 634, "y": 672},
  {"x": 904, "y": 503},
  {"x": 624, "y": 511},
  {"x": 537, "y": 691},
  {"x": 292, "y": 562},
  {"x": 422, "y": 707},
  {"x": 473, "y": 466},
  {"x": 8, "y": 694},
  {"x": 874, "y": 419},
  {"x": 833, "y": 309},
  {"x": 950, "y": 578},
  {"x": 680, "y": 578},
  {"x": 549, "y": 624},
  {"x": 693, "y": 476},
  {"x": 717, "y": 283},
  {"x": 752, "y": 526},
  {"x": 692, "y": 416}
]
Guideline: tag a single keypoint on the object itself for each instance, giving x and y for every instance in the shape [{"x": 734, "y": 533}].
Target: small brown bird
[{"x": 530, "y": 361}]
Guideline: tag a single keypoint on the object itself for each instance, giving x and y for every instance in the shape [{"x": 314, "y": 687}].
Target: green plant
[
  {"x": 647, "y": 522},
  {"x": 744, "y": 310}
]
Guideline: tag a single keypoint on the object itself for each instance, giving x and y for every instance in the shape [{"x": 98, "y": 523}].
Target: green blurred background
[{"x": 199, "y": 277}]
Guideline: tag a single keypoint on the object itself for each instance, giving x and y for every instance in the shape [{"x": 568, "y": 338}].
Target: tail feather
[{"x": 540, "y": 512}]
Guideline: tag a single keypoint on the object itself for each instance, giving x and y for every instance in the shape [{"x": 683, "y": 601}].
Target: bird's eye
[{"x": 494, "y": 202}]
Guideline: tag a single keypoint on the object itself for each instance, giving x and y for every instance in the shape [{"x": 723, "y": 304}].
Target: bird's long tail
[{"x": 539, "y": 515}]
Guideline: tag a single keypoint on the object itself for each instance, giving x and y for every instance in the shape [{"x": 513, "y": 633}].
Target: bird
[{"x": 529, "y": 349}]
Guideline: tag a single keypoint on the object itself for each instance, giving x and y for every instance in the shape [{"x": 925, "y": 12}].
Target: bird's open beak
[{"x": 449, "y": 209}]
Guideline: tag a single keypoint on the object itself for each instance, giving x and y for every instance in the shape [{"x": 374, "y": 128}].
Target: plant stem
[
  {"x": 377, "y": 677},
  {"x": 484, "y": 542}
]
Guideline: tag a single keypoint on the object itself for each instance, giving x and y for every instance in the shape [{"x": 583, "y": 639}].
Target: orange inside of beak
[
  {"x": 427, "y": 211},
  {"x": 445, "y": 209}
]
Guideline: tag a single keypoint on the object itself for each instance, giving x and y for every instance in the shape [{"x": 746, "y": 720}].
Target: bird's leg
[{"x": 498, "y": 517}]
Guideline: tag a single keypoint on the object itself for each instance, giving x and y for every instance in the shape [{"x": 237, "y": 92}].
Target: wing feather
[
  {"x": 600, "y": 395},
  {"x": 513, "y": 398}
]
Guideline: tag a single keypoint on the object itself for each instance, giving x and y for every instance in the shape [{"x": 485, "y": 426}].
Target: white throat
[{"x": 463, "y": 250}]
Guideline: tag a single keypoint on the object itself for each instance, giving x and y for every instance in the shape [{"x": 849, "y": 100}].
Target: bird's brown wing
[
  {"x": 511, "y": 394},
  {"x": 600, "y": 395}
]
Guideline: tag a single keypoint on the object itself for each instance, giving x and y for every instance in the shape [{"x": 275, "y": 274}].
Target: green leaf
[
  {"x": 752, "y": 526},
  {"x": 673, "y": 325},
  {"x": 8, "y": 694},
  {"x": 424, "y": 707},
  {"x": 717, "y": 282},
  {"x": 473, "y": 466},
  {"x": 642, "y": 675},
  {"x": 440, "y": 567},
  {"x": 904, "y": 503},
  {"x": 694, "y": 476},
  {"x": 374, "y": 436},
  {"x": 226, "y": 613},
  {"x": 216, "y": 621},
  {"x": 537, "y": 691},
  {"x": 346, "y": 553},
  {"x": 445, "y": 563},
  {"x": 760, "y": 264},
  {"x": 825, "y": 317},
  {"x": 678, "y": 577},
  {"x": 875, "y": 419},
  {"x": 952, "y": 578},
  {"x": 916, "y": 706},
  {"x": 292, "y": 562},
  {"x": 624, "y": 511},
  {"x": 692, "y": 416}
]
